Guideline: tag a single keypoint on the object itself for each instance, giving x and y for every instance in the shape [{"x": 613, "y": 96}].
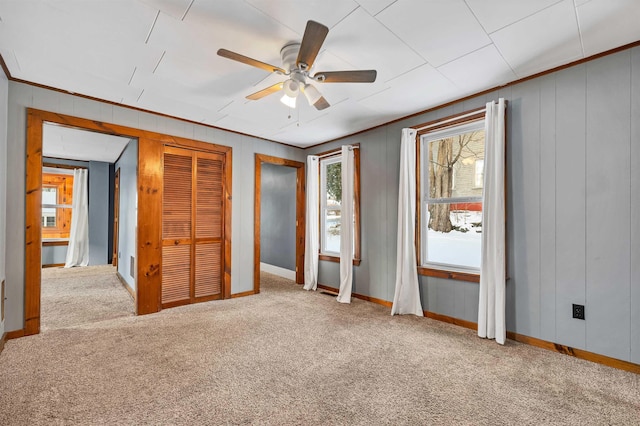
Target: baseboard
[
  {"x": 276, "y": 270},
  {"x": 358, "y": 296},
  {"x": 14, "y": 334},
  {"x": 451, "y": 320},
  {"x": 243, "y": 294},
  {"x": 2, "y": 340},
  {"x": 53, "y": 265},
  {"x": 532, "y": 341},
  {"x": 578, "y": 353},
  {"x": 126, "y": 286}
]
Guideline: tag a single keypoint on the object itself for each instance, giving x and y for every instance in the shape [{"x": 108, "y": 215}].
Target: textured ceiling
[
  {"x": 75, "y": 144},
  {"x": 160, "y": 55}
]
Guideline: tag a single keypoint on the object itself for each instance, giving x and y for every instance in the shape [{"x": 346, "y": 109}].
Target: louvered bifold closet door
[
  {"x": 177, "y": 218},
  {"x": 209, "y": 224}
]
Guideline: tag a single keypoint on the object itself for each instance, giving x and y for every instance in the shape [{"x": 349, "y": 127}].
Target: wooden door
[
  {"x": 116, "y": 217},
  {"x": 192, "y": 226}
]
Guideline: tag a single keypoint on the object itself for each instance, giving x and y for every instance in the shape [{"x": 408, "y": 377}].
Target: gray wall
[
  {"x": 98, "y": 214},
  {"x": 278, "y": 216},
  {"x": 4, "y": 96},
  {"x": 573, "y": 195},
  {"x": 128, "y": 165},
  {"x": 244, "y": 148}
]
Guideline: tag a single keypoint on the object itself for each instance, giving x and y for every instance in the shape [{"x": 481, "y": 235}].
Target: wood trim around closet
[{"x": 149, "y": 243}]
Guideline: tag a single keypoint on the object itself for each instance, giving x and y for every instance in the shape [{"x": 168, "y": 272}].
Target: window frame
[
  {"x": 333, "y": 154},
  {"x": 53, "y": 234},
  {"x": 442, "y": 124}
]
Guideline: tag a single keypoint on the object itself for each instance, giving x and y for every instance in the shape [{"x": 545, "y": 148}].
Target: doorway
[
  {"x": 295, "y": 244},
  {"x": 148, "y": 218}
]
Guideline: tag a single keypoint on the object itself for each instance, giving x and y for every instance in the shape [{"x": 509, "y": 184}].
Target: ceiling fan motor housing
[{"x": 289, "y": 55}]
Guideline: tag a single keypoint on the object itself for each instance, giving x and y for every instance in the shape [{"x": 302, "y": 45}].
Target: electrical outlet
[{"x": 578, "y": 311}]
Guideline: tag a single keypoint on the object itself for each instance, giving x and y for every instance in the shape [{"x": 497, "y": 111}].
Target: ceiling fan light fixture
[
  {"x": 291, "y": 89},
  {"x": 311, "y": 93},
  {"x": 288, "y": 101}
]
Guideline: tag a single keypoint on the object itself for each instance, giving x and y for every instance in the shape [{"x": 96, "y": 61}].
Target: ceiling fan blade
[
  {"x": 321, "y": 104},
  {"x": 264, "y": 92},
  {"x": 360, "y": 76},
  {"x": 249, "y": 61},
  {"x": 314, "y": 35}
]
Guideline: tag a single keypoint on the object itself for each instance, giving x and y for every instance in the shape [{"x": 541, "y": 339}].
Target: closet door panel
[
  {"x": 176, "y": 274},
  {"x": 177, "y": 223}
]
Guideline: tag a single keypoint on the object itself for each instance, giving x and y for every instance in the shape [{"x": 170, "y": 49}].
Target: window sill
[
  {"x": 55, "y": 242},
  {"x": 336, "y": 259},
  {"x": 460, "y": 276}
]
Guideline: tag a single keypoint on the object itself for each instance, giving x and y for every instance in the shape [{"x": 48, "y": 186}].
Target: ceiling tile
[
  {"x": 542, "y": 41},
  {"x": 347, "y": 117},
  {"x": 240, "y": 27},
  {"x": 496, "y": 14},
  {"x": 375, "y": 6},
  {"x": 367, "y": 44},
  {"x": 414, "y": 91},
  {"x": 154, "y": 101},
  {"x": 73, "y": 79},
  {"x": 478, "y": 71},
  {"x": 606, "y": 24},
  {"x": 439, "y": 31},
  {"x": 295, "y": 14},
  {"x": 173, "y": 8}
]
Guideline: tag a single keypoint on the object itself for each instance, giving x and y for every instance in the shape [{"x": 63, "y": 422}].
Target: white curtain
[
  {"x": 312, "y": 219},
  {"x": 491, "y": 308},
  {"x": 407, "y": 296},
  {"x": 346, "y": 226},
  {"x": 78, "y": 250}
]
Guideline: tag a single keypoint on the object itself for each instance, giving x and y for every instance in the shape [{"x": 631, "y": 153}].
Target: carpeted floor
[
  {"x": 287, "y": 356},
  {"x": 77, "y": 296}
]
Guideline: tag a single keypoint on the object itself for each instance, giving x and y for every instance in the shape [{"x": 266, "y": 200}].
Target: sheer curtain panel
[
  {"x": 312, "y": 219},
  {"x": 78, "y": 250},
  {"x": 346, "y": 226},
  {"x": 406, "y": 299},
  {"x": 491, "y": 308}
]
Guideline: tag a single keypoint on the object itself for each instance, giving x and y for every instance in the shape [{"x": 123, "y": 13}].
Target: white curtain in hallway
[
  {"x": 491, "y": 308},
  {"x": 78, "y": 249},
  {"x": 346, "y": 225},
  {"x": 312, "y": 243},
  {"x": 406, "y": 299}
]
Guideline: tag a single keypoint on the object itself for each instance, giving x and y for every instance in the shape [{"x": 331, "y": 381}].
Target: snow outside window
[
  {"x": 330, "y": 202},
  {"x": 330, "y": 206},
  {"x": 451, "y": 216}
]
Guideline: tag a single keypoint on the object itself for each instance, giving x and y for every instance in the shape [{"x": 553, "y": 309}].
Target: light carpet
[{"x": 288, "y": 356}]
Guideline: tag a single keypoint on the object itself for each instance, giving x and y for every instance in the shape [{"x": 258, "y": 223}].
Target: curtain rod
[
  {"x": 454, "y": 118},
  {"x": 329, "y": 154}
]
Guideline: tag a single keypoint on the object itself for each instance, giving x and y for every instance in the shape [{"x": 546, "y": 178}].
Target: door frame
[
  {"x": 116, "y": 217},
  {"x": 148, "y": 238},
  {"x": 300, "y": 215}
]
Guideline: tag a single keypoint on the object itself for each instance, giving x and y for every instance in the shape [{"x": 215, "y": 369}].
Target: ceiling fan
[{"x": 297, "y": 60}]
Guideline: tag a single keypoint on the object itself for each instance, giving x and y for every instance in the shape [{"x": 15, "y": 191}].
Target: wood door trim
[
  {"x": 148, "y": 246},
  {"x": 300, "y": 215},
  {"x": 116, "y": 218}
]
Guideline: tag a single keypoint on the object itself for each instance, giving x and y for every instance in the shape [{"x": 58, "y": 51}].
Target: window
[
  {"x": 330, "y": 206},
  {"x": 57, "y": 193},
  {"x": 451, "y": 216},
  {"x": 479, "y": 173}
]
